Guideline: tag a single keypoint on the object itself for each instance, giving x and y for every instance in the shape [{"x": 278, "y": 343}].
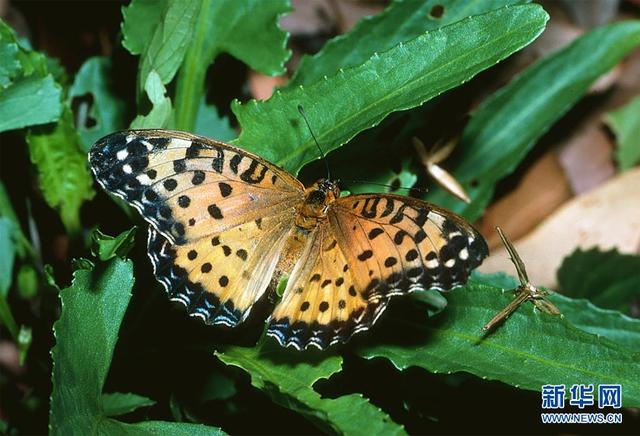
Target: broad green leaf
[
  {"x": 106, "y": 247},
  {"x": 86, "y": 333},
  {"x": 247, "y": 30},
  {"x": 508, "y": 124},
  {"x": 30, "y": 101},
  {"x": 288, "y": 379},
  {"x": 401, "y": 78},
  {"x": 7, "y": 254},
  {"x": 608, "y": 279},
  {"x": 611, "y": 324},
  {"x": 107, "y": 111},
  {"x": 529, "y": 350},
  {"x": 168, "y": 37},
  {"x": 118, "y": 403},
  {"x": 161, "y": 113},
  {"x": 210, "y": 123},
  {"x": 159, "y": 428},
  {"x": 62, "y": 169},
  {"x": 400, "y": 22},
  {"x": 625, "y": 123}
]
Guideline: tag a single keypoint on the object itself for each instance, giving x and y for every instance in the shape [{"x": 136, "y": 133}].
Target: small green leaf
[
  {"x": 140, "y": 20},
  {"x": 161, "y": 113},
  {"x": 9, "y": 63},
  {"x": 164, "y": 46},
  {"x": 7, "y": 254},
  {"x": 24, "y": 343},
  {"x": 106, "y": 247},
  {"x": 23, "y": 246},
  {"x": 607, "y": 278},
  {"x": 529, "y": 350},
  {"x": 401, "y": 78},
  {"x": 507, "y": 125},
  {"x": 30, "y": 101},
  {"x": 6, "y": 318},
  {"x": 400, "y": 22},
  {"x": 107, "y": 111},
  {"x": 288, "y": 379},
  {"x": 247, "y": 30},
  {"x": 62, "y": 168},
  {"x": 209, "y": 123},
  {"x": 27, "y": 282},
  {"x": 117, "y": 403},
  {"x": 82, "y": 263},
  {"x": 625, "y": 123}
]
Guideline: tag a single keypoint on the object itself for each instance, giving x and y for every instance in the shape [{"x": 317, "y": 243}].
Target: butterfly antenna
[
  {"x": 424, "y": 191},
  {"x": 322, "y": 155}
]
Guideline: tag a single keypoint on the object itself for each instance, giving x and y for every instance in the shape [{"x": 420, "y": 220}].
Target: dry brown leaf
[
  {"x": 606, "y": 217},
  {"x": 541, "y": 191}
]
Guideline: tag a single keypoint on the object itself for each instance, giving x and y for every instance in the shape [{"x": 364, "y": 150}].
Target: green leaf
[
  {"x": 140, "y": 19},
  {"x": 24, "y": 343},
  {"x": 27, "y": 282},
  {"x": 167, "y": 39},
  {"x": 529, "y": 350},
  {"x": 401, "y": 78},
  {"x": 611, "y": 324},
  {"x": 9, "y": 62},
  {"x": 106, "y": 247},
  {"x": 159, "y": 428},
  {"x": 30, "y": 101},
  {"x": 161, "y": 113},
  {"x": 86, "y": 333},
  {"x": 106, "y": 110},
  {"x": 6, "y": 210},
  {"x": 248, "y": 30},
  {"x": 62, "y": 169},
  {"x": 625, "y": 123},
  {"x": 117, "y": 403},
  {"x": 7, "y": 254},
  {"x": 209, "y": 123},
  {"x": 288, "y": 379},
  {"x": 507, "y": 125},
  {"x": 400, "y": 22},
  {"x": 94, "y": 305},
  {"x": 607, "y": 278}
]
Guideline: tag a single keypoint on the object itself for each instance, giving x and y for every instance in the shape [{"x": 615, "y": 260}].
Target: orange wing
[
  {"x": 372, "y": 247},
  {"x": 219, "y": 215}
]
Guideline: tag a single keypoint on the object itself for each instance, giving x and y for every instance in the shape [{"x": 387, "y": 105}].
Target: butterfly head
[{"x": 318, "y": 197}]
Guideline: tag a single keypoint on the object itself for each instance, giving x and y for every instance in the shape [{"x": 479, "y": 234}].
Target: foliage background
[{"x": 77, "y": 71}]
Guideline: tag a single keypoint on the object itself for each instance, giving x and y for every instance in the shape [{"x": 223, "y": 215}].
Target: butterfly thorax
[{"x": 318, "y": 198}]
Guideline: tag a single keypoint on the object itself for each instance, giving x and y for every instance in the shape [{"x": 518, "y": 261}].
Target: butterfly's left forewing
[
  {"x": 372, "y": 248},
  {"x": 219, "y": 215}
]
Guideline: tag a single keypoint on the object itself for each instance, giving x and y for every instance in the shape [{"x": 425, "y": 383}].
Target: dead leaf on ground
[{"x": 606, "y": 217}]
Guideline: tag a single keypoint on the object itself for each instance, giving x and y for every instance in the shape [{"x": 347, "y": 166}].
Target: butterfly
[{"x": 225, "y": 224}]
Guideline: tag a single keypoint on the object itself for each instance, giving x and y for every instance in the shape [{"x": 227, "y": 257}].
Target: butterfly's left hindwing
[{"x": 219, "y": 215}]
